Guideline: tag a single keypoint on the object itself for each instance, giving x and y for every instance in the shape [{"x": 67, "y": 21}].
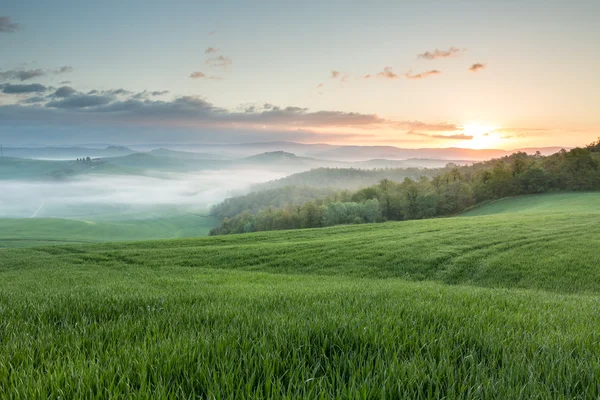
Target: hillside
[
  {"x": 26, "y": 232},
  {"x": 65, "y": 153},
  {"x": 554, "y": 203},
  {"x": 340, "y": 310},
  {"x": 506, "y": 250},
  {"x": 344, "y": 178}
]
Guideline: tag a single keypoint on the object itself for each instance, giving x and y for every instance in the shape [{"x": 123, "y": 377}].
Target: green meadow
[
  {"x": 499, "y": 302},
  {"x": 26, "y": 232}
]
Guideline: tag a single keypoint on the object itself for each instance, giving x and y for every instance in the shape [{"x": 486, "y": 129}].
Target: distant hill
[
  {"x": 65, "y": 153},
  {"x": 190, "y": 155},
  {"x": 152, "y": 162},
  {"x": 359, "y": 153},
  {"x": 344, "y": 178},
  {"x": 12, "y": 168}
]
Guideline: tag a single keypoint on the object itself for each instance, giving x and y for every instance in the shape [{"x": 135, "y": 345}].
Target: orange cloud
[
  {"x": 202, "y": 75},
  {"x": 458, "y": 136},
  {"x": 476, "y": 67},
  {"x": 422, "y": 75},
  {"x": 387, "y": 73},
  {"x": 434, "y": 55}
]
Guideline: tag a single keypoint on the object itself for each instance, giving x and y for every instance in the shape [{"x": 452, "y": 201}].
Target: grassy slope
[
  {"x": 557, "y": 203},
  {"x": 303, "y": 313},
  {"x": 21, "y": 232}
]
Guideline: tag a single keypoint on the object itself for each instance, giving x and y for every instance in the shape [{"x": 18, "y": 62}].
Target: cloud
[
  {"x": 219, "y": 62},
  {"x": 80, "y": 101},
  {"x": 64, "y": 69},
  {"x": 211, "y": 50},
  {"x": 65, "y": 82},
  {"x": 521, "y": 132},
  {"x": 422, "y": 75},
  {"x": 202, "y": 75},
  {"x": 118, "y": 110},
  {"x": 160, "y": 92},
  {"x": 423, "y": 126},
  {"x": 342, "y": 76},
  {"x": 26, "y": 74},
  {"x": 458, "y": 136},
  {"x": 34, "y": 99},
  {"x": 212, "y": 33},
  {"x": 197, "y": 75},
  {"x": 434, "y": 55},
  {"x": 476, "y": 67},
  {"x": 64, "y": 91},
  {"x": 32, "y": 73},
  {"x": 6, "y": 25},
  {"x": 21, "y": 74},
  {"x": 387, "y": 73},
  {"x": 22, "y": 89}
]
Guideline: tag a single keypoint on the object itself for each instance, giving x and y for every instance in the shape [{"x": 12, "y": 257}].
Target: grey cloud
[
  {"x": 34, "y": 100},
  {"x": 6, "y": 25},
  {"x": 160, "y": 92},
  {"x": 67, "y": 106},
  {"x": 211, "y": 50},
  {"x": 64, "y": 69},
  {"x": 219, "y": 62},
  {"x": 26, "y": 74},
  {"x": 80, "y": 101},
  {"x": 64, "y": 91},
  {"x": 20, "y": 89},
  {"x": 21, "y": 74}
]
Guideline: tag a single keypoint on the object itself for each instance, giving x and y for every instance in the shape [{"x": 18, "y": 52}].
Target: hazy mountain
[
  {"x": 190, "y": 155},
  {"x": 65, "y": 153},
  {"x": 360, "y": 153}
]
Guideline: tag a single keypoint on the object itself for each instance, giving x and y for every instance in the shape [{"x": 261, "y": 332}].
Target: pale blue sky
[{"x": 542, "y": 58}]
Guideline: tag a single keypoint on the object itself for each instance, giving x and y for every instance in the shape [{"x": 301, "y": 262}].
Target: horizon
[
  {"x": 162, "y": 146},
  {"x": 425, "y": 76}
]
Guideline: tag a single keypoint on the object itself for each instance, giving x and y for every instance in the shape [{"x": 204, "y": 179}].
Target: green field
[
  {"x": 26, "y": 232},
  {"x": 501, "y": 302}
]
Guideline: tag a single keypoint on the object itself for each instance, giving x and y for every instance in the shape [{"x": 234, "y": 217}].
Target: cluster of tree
[
  {"x": 346, "y": 178},
  {"x": 86, "y": 160},
  {"x": 274, "y": 198},
  {"x": 451, "y": 190}
]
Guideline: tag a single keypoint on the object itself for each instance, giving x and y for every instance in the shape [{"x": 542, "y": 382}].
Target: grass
[
  {"x": 27, "y": 232},
  {"x": 493, "y": 306},
  {"x": 557, "y": 203}
]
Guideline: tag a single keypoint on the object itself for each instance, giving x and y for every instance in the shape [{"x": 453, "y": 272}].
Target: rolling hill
[
  {"x": 65, "y": 153},
  {"x": 497, "y": 305}
]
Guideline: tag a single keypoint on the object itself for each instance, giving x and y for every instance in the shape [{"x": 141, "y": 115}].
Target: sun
[{"x": 484, "y": 135}]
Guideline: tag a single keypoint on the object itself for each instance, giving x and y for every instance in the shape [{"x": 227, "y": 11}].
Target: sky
[{"x": 473, "y": 74}]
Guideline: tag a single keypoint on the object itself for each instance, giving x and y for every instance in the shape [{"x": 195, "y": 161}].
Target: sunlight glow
[{"x": 484, "y": 136}]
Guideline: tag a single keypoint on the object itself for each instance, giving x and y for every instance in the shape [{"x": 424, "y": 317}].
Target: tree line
[{"x": 450, "y": 191}]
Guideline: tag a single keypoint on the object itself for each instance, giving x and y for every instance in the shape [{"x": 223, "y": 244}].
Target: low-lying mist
[{"x": 121, "y": 197}]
